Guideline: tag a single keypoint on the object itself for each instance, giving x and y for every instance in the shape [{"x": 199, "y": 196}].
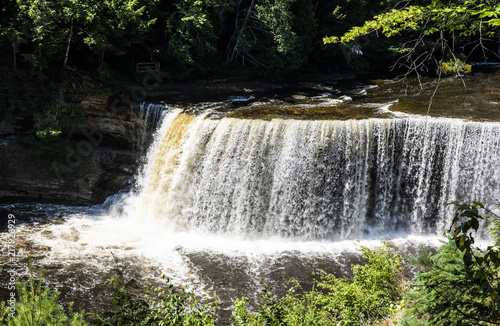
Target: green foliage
[
  {"x": 432, "y": 31},
  {"x": 390, "y": 23},
  {"x": 45, "y": 36},
  {"x": 116, "y": 25},
  {"x": 128, "y": 309},
  {"x": 59, "y": 118},
  {"x": 175, "y": 307},
  {"x": 454, "y": 67},
  {"x": 482, "y": 267},
  {"x": 160, "y": 306},
  {"x": 460, "y": 283},
  {"x": 11, "y": 23},
  {"x": 37, "y": 307},
  {"x": 49, "y": 28},
  {"x": 190, "y": 37},
  {"x": 411, "y": 321},
  {"x": 442, "y": 295},
  {"x": 453, "y": 16},
  {"x": 278, "y": 17},
  {"x": 285, "y": 30},
  {"x": 132, "y": 306},
  {"x": 336, "y": 18},
  {"x": 295, "y": 308},
  {"x": 374, "y": 293},
  {"x": 494, "y": 228}
]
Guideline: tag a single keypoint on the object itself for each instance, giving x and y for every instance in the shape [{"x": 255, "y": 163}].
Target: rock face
[{"x": 101, "y": 159}]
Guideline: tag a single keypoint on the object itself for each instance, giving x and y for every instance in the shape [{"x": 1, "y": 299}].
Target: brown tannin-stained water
[{"x": 255, "y": 189}]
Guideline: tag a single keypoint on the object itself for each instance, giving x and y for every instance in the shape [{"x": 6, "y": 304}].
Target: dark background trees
[
  {"x": 190, "y": 38},
  {"x": 198, "y": 39}
]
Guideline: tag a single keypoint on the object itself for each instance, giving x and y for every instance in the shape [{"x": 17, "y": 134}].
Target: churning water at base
[{"x": 224, "y": 203}]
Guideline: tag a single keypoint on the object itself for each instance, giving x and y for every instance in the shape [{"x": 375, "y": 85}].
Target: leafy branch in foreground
[
  {"x": 447, "y": 21},
  {"x": 482, "y": 267},
  {"x": 468, "y": 18}
]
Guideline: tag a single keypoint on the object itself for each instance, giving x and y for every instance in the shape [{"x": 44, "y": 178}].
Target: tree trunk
[
  {"x": 232, "y": 54},
  {"x": 101, "y": 58},
  {"x": 13, "y": 43},
  {"x": 14, "y": 56},
  {"x": 40, "y": 57},
  {"x": 65, "y": 63}
]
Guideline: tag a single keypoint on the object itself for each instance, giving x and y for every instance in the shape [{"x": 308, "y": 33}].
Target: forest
[
  {"x": 215, "y": 38},
  {"x": 55, "y": 52},
  {"x": 190, "y": 39}
]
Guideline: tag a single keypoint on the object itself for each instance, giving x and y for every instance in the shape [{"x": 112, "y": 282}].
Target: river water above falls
[{"x": 253, "y": 189}]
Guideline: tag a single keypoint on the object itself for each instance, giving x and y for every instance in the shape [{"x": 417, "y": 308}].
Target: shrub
[
  {"x": 371, "y": 295},
  {"x": 37, "y": 307},
  {"x": 442, "y": 295},
  {"x": 454, "y": 67},
  {"x": 159, "y": 306},
  {"x": 459, "y": 285}
]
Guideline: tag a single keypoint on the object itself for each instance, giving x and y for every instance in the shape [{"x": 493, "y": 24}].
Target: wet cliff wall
[{"x": 99, "y": 159}]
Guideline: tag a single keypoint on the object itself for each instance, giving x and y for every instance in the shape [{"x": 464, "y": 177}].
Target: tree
[
  {"x": 276, "y": 35},
  {"x": 12, "y": 27},
  {"x": 115, "y": 25},
  {"x": 190, "y": 35},
  {"x": 292, "y": 26},
  {"x": 433, "y": 30},
  {"x": 47, "y": 38},
  {"x": 76, "y": 13},
  {"x": 236, "y": 43},
  {"x": 460, "y": 284}
]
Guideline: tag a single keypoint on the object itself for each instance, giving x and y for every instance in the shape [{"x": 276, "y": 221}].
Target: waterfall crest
[{"x": 316, "y": 179}]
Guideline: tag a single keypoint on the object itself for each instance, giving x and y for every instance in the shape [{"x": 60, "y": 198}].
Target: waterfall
[
  {"x": 316, "y": 179},
  {"x": 151, "y": 113}
]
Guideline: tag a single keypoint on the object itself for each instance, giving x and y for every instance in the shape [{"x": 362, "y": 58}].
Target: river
[{"x": 259, "y": 188}]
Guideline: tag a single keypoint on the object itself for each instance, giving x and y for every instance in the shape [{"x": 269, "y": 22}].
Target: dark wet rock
[{"x": 101, "y": 159}]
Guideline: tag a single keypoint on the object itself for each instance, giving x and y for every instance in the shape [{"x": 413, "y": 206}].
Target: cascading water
[
  {"x": 316, "y": 179},
  {"x": 151, "y": 113}
]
